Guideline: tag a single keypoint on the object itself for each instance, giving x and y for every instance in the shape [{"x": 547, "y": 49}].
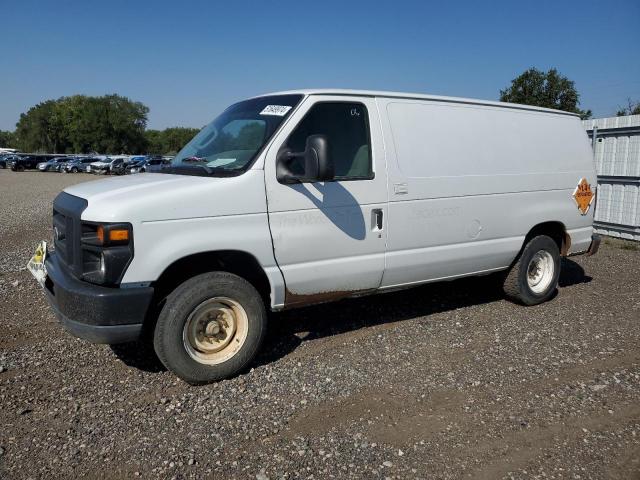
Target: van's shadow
[
  {"x": 338, "y": 205},
  {"x": 139, "y": 355},
  {"x": 572, "y": 273},
  {"x": 287, "y": 330}
]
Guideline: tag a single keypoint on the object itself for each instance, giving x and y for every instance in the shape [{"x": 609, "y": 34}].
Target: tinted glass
[{"x": 347, "y": 129}]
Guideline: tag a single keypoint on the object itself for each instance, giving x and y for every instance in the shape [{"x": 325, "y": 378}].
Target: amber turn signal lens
[
  {"x": 100, "y": 234},
  {"x": 120, "y": 235}
]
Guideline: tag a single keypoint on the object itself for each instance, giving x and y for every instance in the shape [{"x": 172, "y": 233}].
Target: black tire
[
  {"x": 516, "y": 284},
  {"x": 20, "y": 168},
  {"x": 183, "y": 301},
  {"x": 74, "y": 170}
]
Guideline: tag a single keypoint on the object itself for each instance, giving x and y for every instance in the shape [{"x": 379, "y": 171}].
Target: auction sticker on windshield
[
  {"x": 36, "y": 265},
  {"x": 279, "y": 110}
]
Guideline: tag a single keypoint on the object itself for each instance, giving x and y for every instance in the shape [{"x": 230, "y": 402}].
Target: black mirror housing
[{"x": 317, "y": 162}]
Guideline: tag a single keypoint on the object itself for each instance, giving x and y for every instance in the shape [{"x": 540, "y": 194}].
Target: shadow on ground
[
  {"x": 139, "y": 355},
  {"x": 287, "y": 330}
]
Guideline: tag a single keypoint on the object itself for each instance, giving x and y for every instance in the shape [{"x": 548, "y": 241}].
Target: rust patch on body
[{"x": 292, "y": 299}]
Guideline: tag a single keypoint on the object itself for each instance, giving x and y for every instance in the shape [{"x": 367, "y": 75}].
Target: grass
[{"x": 622, "y": 243}]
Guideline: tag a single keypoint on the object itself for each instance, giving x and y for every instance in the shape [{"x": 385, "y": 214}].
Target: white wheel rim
[
  {"x": 215, "y": 330},
  {"x": 540, "y": 271}
]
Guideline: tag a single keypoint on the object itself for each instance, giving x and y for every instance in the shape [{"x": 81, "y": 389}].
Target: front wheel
[
  {"x": 210, "y": 327},
  {"x": 74, "y": 170},
  {"x": 533, "y": 278}
]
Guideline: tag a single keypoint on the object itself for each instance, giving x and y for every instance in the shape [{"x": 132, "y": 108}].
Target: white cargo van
[{"x": 303, "y": 197}]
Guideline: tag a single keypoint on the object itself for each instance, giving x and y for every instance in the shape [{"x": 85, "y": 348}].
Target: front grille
[{"x": 67, "y": 211}]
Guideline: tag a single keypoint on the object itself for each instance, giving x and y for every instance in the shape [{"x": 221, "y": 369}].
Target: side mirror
[{"x": 316, "y": 163}]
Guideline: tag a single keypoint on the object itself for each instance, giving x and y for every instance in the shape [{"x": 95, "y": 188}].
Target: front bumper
[{"x": 95, "y": 313}]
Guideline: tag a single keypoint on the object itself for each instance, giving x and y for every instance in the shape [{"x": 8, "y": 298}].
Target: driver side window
[{"x": 346, "y": 126}]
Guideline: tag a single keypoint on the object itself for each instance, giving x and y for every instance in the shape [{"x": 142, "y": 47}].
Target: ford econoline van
[{"x": 303, "y": 197}]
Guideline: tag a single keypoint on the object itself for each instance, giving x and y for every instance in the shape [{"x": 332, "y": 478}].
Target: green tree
[
  {"x": 544, "y": 89},
  {"x": 7, "y": 139},
  {"x": 170, "y": 140},
  {"x": 109, "y": 124},
  {"x": 36, "y": 131},
  {"x": 177, "y": 137},
  {"x": 632, "y": 108},
  {"x": 154, "y": 141}
]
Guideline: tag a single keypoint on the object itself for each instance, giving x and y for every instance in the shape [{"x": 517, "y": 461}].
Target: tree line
[
  {"x": 116, "y": 124},
  {"x": 84, "y": 124},
  {"x": 553, "y": 90}
]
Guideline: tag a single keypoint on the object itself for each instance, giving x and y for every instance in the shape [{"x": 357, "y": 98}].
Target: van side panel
[{"x": 468, "y": 182}]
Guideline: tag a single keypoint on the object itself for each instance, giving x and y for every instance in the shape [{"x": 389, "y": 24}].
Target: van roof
[{"x": 417, "y": 96}]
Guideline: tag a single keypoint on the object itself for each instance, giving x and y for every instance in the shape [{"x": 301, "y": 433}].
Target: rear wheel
[
  {"x": 533, "y": 278},
  {"x": 20, "y": 168},
  {"x": 210, "y": 327},
  {"x": 74, "y": 170}
]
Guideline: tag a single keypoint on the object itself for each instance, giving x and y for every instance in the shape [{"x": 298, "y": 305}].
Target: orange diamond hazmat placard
[{"x": 583, "y": 195}]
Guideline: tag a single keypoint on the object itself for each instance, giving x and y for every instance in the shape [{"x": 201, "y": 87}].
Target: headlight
[{"x": 107, "y": 250}]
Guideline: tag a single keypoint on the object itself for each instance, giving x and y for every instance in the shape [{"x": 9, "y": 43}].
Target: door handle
[{"x": 376, "y": 223}]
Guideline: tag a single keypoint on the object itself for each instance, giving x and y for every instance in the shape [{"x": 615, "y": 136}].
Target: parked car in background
[
  {"x": 98, "y": 164},
  {"x": 24, "y": 162},
  {"x": 52, "y": 165},
  {"x": 6, "y": 159},
  {"x": 118, "y": 166},
  {"x": 57, "y": 167},
  {"x": 136, "y": 166},
  {"x": 30, "y": 161},
  {"x": 76, "y": 165},
  {"x": 155, "y": 164},
  {"x": 109, "y": 165}
]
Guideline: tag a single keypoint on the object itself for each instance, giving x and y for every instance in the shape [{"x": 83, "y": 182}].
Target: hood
[{"x": 161, "y": 196}]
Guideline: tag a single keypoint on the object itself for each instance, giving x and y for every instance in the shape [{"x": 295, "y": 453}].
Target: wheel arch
[
  {"x": 238, "y": 262},
  {"x": 555, "y": 230}
]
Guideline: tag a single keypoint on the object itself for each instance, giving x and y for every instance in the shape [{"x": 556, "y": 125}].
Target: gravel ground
[{"x": 442, "y": 381}]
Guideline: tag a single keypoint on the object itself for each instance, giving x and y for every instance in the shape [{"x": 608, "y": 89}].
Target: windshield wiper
[{"x": 200, "y": 171}]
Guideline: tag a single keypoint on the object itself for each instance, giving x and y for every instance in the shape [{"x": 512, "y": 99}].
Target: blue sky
[{"x": 188, "y": 60}]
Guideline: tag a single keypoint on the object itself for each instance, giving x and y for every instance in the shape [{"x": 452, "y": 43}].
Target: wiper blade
[{"x": 199, "y": 170}]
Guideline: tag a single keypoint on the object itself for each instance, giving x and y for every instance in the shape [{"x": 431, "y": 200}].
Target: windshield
[{"x": 229, "y": 144}]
